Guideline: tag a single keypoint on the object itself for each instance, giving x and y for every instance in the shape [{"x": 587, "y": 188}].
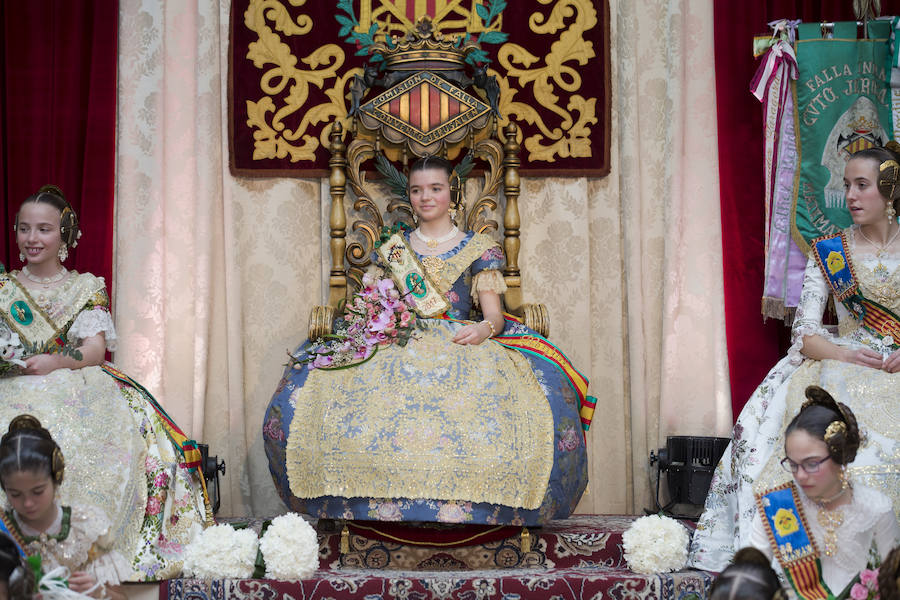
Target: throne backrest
[{"x": 424, "y": 101}]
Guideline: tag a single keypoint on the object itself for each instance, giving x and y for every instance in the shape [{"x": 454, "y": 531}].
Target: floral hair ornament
[{"x": 835, "y": 429}]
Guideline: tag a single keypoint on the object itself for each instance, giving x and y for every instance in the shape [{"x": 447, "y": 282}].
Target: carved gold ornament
[{"x": 306, "y": 71}]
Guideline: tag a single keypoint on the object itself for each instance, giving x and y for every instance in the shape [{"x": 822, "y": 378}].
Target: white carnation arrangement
[
  {"x": 221, "y": 552},
  {"x": 656, "y": 544},
  {"x": 290, "y": 548}
]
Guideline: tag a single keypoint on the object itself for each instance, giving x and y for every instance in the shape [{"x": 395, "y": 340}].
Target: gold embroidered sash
[
  {"x": 38, "y": 329},
  {"x": 411, "y": 278}
]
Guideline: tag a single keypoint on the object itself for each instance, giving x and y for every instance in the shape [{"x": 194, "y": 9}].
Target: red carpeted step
[
  {"x": 585, "y": 540},
  {"x": 580, "y": 557}
]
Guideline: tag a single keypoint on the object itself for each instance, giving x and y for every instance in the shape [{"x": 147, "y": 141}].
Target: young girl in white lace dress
[{"x": 75, "y": 537}]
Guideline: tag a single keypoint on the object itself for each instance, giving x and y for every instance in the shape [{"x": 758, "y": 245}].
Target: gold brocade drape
[{"x": 215, "y": 275}]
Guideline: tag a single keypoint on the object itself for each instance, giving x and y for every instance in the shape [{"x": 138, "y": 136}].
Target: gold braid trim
[
  {"x": 456, "y": 264},
  {"x": 489, "y": 280}
]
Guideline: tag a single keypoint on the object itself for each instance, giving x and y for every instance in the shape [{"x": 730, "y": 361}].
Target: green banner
[{"x": 843, "y": 104}]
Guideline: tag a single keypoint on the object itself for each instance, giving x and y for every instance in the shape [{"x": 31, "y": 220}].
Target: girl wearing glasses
[{"x": 851, "y": 524}]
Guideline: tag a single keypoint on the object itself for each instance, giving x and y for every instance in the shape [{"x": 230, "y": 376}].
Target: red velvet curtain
[
  {"x": 753, "y": 346},
  {"x": 58, "y": 117}
]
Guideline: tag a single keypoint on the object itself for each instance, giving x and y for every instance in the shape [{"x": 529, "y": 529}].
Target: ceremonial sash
[
  {"x": 830, "y": 253},
  {"x": 791, "y": 541},
  {"x": 12, "y": 532},
  {"x": 539, "y": 346},
  {"x": 23, "y": 315},
  {"x": 411, "y": 278},
  {"x": 186, "y": 447}
]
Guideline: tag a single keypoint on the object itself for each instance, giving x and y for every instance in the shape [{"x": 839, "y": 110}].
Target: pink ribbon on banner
[{"x": 772, "y": 86}]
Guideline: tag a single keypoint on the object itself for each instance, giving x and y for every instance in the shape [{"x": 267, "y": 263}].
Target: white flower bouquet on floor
[
  {"x": 656, "y": 544},
  {"x": 287, "y": 550},
  {"x": 290, "y": 548},
  {"x": 221, "y": 551}
]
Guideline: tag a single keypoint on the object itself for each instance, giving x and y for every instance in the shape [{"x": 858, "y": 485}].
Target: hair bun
[
  {"x": 25, "y": 422},
  {"x": 52, "y": 189},
  {"x": 28, "y": 426},
  {"x": 889, "y": 575},
  {"x": 841, "y": 437},
  {"x": 750, "y": 556}
]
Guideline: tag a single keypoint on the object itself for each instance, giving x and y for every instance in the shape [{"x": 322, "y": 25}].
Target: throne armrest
[
  {"x": 536, "y": 317},
  {"x": 321, "y": 321}
]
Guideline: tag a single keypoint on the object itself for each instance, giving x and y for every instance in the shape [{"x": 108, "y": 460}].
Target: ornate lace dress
[
  {"x": 79, "y": 539},
  {"x": 750, "y": 463},
  {"x": 118, "y": 454},
  {"x": 868, "y": 530},
  {"x": 432, "y": 431}
]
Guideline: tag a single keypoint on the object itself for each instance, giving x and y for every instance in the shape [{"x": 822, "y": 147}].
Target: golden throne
[{"x": 423, "y": 102}]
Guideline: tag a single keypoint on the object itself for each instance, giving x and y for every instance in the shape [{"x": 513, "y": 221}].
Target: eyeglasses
[{"x": 810, "y": 465}]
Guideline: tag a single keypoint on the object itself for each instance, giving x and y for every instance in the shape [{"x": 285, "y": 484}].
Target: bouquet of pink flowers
[
  {"x": 863, "y": 587},
  {"x": 376, "y": 316},
  {"x": 867, "y": 587}
]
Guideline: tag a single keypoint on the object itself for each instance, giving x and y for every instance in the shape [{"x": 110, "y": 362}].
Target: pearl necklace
[
  {"x": 45, "y": 281},
  {"x": 879, "y": 250},
  {"x": 435, "y": 242}
]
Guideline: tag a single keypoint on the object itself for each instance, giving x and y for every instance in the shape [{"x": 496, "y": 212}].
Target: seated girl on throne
[{"x": 430, "y": 405}]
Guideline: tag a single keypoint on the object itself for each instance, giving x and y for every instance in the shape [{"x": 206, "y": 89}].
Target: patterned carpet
[{"x": 580, "y": 557}]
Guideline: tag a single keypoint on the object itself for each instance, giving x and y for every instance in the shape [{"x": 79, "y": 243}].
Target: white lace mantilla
[
  {"x": 91, "y": 322},
  {"x": 869, "y": 528}
]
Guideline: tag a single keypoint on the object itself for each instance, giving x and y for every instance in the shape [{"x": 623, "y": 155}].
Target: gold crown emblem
[
  {"x": 424, "y": 48},
  {"x": 861, "y": 123}
]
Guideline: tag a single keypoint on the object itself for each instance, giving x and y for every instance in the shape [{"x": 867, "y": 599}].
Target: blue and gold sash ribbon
[
  {"x": 13, "y": 533},
  {"x": 830, "y": 253},
  {"x": 791, "y": 541}
]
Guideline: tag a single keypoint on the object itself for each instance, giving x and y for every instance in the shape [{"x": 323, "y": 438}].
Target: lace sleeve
[
  {"x": 490, "y": 280},
  {"x": 91, "y": 322},
  {"x": 808, "y": 319},
  {"x": 887, "y": 532}
]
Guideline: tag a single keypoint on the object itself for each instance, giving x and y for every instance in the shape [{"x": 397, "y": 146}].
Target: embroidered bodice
[
  {"x": 879, "y": 280},
  {"x": 79, "y": 306},
  {"x": 78, "y": 539},
  {"x": 868, "y": 530},
  {"x": 472, "y": 265}
]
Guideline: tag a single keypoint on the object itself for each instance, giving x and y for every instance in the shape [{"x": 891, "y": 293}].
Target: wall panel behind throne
[{"x": 293, "y": 69}]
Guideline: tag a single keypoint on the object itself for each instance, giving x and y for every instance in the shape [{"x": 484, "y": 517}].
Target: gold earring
[
  {"x": 845, "y": 480},
  {"x": 63, "y": 253},
  {"x": 21, "y": 257}
]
